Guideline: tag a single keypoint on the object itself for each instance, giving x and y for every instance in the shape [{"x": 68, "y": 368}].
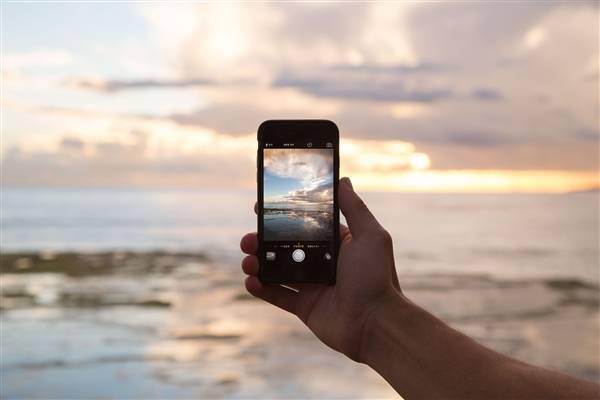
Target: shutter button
[{"x": 298, "y": 255}]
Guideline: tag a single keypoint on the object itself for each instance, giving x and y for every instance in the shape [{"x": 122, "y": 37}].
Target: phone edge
[{"x": 332, "y": 276}]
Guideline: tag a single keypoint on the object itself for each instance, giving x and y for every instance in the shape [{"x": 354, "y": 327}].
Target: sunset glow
[
  {"x": 419, "y": 161},
  {"x": 473, "y": 181},
  {"x": 177, "y": 103}
]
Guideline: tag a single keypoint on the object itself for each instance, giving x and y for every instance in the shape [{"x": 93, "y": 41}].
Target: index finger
[{"x": 249, "y": 243}]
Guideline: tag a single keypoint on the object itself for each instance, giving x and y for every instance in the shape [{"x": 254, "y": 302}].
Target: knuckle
[{"x": 385, "y": 237}]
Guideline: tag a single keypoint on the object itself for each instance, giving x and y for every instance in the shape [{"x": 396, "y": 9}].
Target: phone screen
[{"x": 298, "y": 218}]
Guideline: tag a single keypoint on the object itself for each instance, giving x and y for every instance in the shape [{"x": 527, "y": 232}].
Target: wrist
[{"x": 389, "y": 308}]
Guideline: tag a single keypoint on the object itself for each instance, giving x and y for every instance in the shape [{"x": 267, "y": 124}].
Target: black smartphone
[{"x": 298, "y": 213}]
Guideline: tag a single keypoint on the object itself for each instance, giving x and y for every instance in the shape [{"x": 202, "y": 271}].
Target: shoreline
[
  {"x": 92, "y": 262},
  {"x": 183, "y": 323},
  {"x": 75, "y": 263}
]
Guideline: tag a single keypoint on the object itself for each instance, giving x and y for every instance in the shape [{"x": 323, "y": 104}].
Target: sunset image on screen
[{"x": 298, "y": 194}]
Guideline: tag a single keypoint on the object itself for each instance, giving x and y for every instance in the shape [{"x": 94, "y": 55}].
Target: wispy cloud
[
  {"x": 486, "y": 94},
  {"x": 102, "y": 85},
  {"x": 391, "y": 90},
  {"x": 310, "y": 166}
]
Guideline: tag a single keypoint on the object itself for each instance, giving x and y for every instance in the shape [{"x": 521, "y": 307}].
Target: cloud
[
  {"x": 136, "y": 159},
  {"x": 368, "y": 86},
  {"x": 471, "y": 34},
  {"x": 391, "y": 69},
  {"x": 230, "y": 118},
  {"x": 567, "y": 155},
  {"x": 259, "y": 40},
  {"x": 318, "y": 194},
  {"x": 389, "y": 82},
  {"x": 165, "y": 155},
  {"x": 472, "y": 84},
  {"x": 70, "y": 143},
  {"x": 486, "y": 94},
  {"x": 311, "y": 166},
  {"x": 460, "y": 82},
  {"x": 101, "y": 85},
  {"x": 437, "y": 61}
]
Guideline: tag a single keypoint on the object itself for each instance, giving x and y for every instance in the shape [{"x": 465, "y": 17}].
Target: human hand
[
  {"x": 366, "y": 317},
  {"x": 339, "y": 315}
]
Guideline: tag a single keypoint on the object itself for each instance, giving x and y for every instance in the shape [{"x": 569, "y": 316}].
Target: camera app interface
[{"x": 298, "y": 205}]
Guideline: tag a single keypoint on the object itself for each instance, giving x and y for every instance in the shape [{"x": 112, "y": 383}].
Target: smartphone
[{"x": 298, "y": 213}]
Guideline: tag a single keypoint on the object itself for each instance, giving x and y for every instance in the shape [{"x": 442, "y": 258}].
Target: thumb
[{"x": 357, "y": 214}]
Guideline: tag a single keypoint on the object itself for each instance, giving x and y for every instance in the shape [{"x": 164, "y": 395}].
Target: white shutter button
[{"x": 298, "y": 255}]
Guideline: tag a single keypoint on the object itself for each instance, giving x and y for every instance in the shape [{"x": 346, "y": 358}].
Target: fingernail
[{"x": 348, "y": 182}]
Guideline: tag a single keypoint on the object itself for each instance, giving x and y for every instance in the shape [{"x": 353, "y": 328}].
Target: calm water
[
  {"x": 514, "y": 235},
  {"x": 282, "y": 224},
  {"x": 195, "y": 333}
]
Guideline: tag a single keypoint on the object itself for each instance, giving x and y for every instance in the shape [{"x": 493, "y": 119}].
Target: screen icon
[
  {"x": 327, "y": 256},
  {"x": 298, "y": 255},
  {"x": 329, "y": 145},
  {"x": 309, "y": 144},
  {"x": 270, "y": 255}
]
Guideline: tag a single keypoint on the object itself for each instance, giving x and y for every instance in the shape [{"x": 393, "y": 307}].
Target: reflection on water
[
  {"x": 517, "y": 272},
  {"x": 190, "y": 331},
  {"x": 295, "y": 224}
]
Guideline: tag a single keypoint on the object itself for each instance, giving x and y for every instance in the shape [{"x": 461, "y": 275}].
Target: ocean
[
  {"x": 296, "y": 224},
  {"x": 504, "y": 235},
  {"x": 149, "y": 301}
]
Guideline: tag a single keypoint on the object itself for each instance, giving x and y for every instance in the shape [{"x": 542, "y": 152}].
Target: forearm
[{"x": 422, "y": 357}]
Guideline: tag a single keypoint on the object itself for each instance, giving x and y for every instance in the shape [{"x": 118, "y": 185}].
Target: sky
[
  {"x": 428, "y": 96},
  {"x": 298, "y": 177}
]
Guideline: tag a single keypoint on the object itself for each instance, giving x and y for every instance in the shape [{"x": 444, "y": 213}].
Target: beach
[
  {"x": 160, "y": 325},
  {"x": 142, "y": 141},
  {"x": 166, "y": 314}
]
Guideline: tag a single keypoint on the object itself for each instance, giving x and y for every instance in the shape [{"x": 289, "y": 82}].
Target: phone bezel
[{"x": 293, "y": 131}]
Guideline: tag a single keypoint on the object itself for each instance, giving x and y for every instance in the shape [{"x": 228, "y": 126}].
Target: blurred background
[{"x": 128, "y": 164}]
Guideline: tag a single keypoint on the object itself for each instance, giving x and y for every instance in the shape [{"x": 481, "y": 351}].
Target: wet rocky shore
[{"x": 180, "y": 325}]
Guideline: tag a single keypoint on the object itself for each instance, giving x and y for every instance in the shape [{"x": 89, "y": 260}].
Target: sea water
[
  {"x": 195, "y": 333},
  {"x": 506, "y": 235}
]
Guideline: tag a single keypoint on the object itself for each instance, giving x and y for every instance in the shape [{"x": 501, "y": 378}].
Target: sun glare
[{"x": 419, "y": 161}]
